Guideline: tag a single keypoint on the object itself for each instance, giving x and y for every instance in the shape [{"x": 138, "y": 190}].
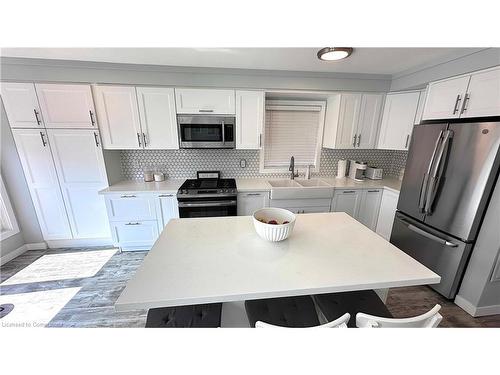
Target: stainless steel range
[{"x": 207, "y": 195}]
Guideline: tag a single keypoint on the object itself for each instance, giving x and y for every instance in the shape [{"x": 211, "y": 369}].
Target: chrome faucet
[{"x": 292, "y": 168}]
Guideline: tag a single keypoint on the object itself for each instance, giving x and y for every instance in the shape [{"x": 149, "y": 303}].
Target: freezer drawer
[{"x": 441, "y": 253}]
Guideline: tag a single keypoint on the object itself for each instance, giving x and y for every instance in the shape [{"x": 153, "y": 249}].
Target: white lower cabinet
[
  {"x": 134, "y": 235},
  {"x": 250, "y": 202},
  {"x": 386, "y": 213},
  {"x": 167, "y": 209},
  {"x": 362, "y": 204},
  {"x": 369, "y": 207},
  {"x": 137, "y": 219}
]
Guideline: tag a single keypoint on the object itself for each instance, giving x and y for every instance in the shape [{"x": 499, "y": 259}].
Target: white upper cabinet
[
  {"x": 420, "y": 107},
  {"x": 249, "y": 119},
  {"x": 472, "y": 95},
  {"x": 21, "y": 105},
  {"x": 81, "y": 175},
  {"x": 118, "y": 116},
  {"x": 348, "y": 120},
  {"x": 397, "y": 120},
  {"x": 352, "y": 120},
  {"x": 196, "y": 101},
  {"x": 158, "y": 118},
  {"x": 66, "y": 105},
  {"x": 483, "y": 95},
  {"x": 444, "y": 98},
  {"x": 41, "y": 177},
  {"x": 369, "y": 119}
]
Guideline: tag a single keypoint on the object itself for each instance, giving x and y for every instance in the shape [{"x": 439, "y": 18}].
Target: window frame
[
  {"x": 7, "y": 216},
  {"x": 319, "y": 142}
]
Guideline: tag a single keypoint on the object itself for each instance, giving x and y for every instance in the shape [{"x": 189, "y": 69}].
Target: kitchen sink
[
  {"x": 300, "y": 189},
  {"x": 283, "y": 184},
  {"x": 314, "y": 182}
]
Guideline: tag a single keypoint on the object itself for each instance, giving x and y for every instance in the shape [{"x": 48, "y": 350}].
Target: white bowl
[{"x": 273, "y": 232}]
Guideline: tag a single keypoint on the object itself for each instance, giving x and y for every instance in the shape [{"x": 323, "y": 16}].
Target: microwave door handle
[
  {"x": 425, "y": 180},
  {"x": 435, "y": 178},
  {"x": 223, "y": 132}
]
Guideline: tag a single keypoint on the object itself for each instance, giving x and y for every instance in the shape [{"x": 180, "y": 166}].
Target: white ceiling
[{"x": 363, "y": 60}]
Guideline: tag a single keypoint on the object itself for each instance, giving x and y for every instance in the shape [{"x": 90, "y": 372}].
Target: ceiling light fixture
[{"x": 334, "y": 53}]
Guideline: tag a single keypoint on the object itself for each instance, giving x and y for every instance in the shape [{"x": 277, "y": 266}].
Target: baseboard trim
[
  {"x": 13, "y": 254},
  {"x": 36, "y": 246},
  {"x": 476, "y": 311},
  {"x": 55, "y": 244}
]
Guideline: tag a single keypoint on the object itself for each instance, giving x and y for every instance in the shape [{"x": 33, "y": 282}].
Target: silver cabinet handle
[
  {"x": 223, "y": 132},
  {"x": 464, "y": 106},
  {"x": 253, "y": 194},
  {"x": 407, "y": 139},
  {"x": 205, "y": 110},
  {"x": 348, "y": 191},
  {"x": 139, "y": 139},
  {"x": 38, "y": 121},
  {"x": 165, "y": 195},
  {"x": 44, "y": 143},
  {"x": 354, "y": 140},
  {"x": 144, "y": 139},
  {"x": 260, "y": 140},
  {"x": 136, "y": 223},
  {"x": 373, "y": 191},
  {"x": 359, "y": 140},
  {"x": 91, "y": 118},
  {"x": 457, "y": 102},
  {"x": 128, "y": 196},
  {"x": 96, "y": 137}
]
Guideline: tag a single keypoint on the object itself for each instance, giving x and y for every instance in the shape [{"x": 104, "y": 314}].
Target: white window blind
[{"x": 292, "y": 131}]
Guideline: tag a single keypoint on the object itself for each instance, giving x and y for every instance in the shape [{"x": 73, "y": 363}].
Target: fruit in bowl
[{"x": 273, "y": 224}]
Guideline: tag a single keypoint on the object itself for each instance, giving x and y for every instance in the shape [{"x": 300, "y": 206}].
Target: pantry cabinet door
[
  {"x": 249, "y": 119},
  {"x": 386, "y": 213},
  {"x": 369, "y": 208},
  {"x": 444, "y": 98},
  {"x": 81, "y": 175},
  {"x": 118, "y": 116},
  {"x": 397, "y": 120},
  {"x": 369, "y": 120},
  {"x": 40, "y": 173},
  {"x": 348, "y": 201},
  {"x": 158, "y": 118},
  {"x": 21, "y": 105},
  {"x": 348, "y": 120},
  {"x": 483, "y": 95},
  {"x": 66, "y": 105}
]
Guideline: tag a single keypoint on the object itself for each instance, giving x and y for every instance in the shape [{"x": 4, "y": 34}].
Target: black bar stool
[{"x": 191, "y": 316}]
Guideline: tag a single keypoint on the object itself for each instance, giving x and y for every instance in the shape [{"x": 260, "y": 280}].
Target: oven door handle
[{"x": 207, "y": 204}]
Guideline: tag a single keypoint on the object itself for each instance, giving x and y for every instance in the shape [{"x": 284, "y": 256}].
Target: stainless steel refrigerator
[{"x": 450, "y": 172}]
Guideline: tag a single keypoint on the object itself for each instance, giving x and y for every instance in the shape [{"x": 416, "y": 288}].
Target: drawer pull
[
  {"x": 165, "y": 195},
  {"x": 348, "y": 191},
  {"x": 136, "y": 223},
  {"x": 128, "y": 196},
  {"x": 253, "y": 194},
  {"x": 373, "y": 191}
]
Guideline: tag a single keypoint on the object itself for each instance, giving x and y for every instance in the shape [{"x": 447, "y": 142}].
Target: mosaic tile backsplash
[{"x": 185, "y": 163}]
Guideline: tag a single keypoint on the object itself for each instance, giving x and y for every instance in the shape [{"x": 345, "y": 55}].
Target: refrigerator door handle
[
  {"x": 425, "y": 180},
  {"x": 435, "y": 177},
  {"x": 428, "y": 235}
]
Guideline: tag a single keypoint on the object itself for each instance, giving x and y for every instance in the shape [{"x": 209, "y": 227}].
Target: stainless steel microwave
[{"x": 206, "y": 131}]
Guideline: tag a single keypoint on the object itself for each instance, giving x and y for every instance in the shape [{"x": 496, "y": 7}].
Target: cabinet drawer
[
  {"x": 133, "y": 207},
  {"x": 134, "y": 235}
]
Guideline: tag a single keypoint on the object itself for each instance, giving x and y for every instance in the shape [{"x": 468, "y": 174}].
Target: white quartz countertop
[
  {"x": 222, "y": 259},
  {"x": 245, "y": 184}
]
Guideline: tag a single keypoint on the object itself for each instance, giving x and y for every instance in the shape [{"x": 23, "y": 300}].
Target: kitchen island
[{"x": 222, "y": 259}]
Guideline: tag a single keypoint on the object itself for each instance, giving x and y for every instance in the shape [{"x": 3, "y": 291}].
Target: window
[
  {"x": 292, "y": 128},
  {"x": 8, "y": 223}
]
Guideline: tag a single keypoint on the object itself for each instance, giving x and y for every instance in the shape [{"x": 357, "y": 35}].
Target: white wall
[{"x": 16, "y": 186}]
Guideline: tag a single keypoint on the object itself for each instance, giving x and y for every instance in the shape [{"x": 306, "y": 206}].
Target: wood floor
[{"x": 93, "y": 305}]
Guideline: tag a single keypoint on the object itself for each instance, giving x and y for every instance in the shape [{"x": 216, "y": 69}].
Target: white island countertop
[{"x": 222, "y": 259}]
